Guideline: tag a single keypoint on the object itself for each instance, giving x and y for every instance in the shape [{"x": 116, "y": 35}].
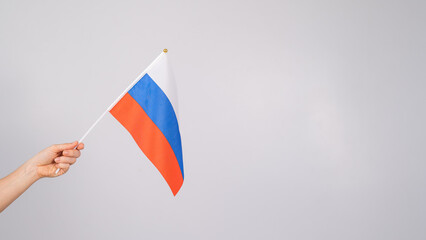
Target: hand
[{"x": 58, "y": 156}]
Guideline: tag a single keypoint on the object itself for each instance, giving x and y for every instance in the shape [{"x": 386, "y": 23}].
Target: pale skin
[{"x": 43, "y": 164}]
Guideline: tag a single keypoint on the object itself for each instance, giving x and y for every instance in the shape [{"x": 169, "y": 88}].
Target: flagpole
[{"x": 119, "y": 98}]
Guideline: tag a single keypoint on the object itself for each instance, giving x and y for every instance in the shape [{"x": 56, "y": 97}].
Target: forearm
[{"x": 12, "y": 186}]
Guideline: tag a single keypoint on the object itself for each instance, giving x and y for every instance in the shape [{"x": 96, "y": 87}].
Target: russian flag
[{"x": 149, "y": 113}]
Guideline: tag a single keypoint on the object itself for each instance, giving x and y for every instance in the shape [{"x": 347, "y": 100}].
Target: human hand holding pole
[{"x": 56, "y": 159}]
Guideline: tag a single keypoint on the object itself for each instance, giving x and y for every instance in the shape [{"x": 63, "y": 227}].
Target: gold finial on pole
[{"x": 165, "y": 50}]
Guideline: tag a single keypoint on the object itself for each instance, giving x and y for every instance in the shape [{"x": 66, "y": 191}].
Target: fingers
[
  {"x": 63, "y": 168},
  {"x": 64, "y": 146},
  {"x": 80, "y": 146},
  {"x": 67, "y": 155},
  {"x": 62, "y": 165},
  {"x": 68, "y": 160},
  {"x": 71, "y": 153}
]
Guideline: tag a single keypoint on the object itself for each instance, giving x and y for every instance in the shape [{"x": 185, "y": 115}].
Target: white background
[{"x": 299, "y": 119}]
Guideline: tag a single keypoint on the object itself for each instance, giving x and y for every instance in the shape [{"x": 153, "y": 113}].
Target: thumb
[{"x": 64, "y": 146}]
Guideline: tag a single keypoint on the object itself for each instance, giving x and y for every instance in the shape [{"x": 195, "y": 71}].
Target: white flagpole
[{"x": 119, "y": 98}]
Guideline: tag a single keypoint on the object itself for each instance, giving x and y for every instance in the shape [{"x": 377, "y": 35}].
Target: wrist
[{"x": 30, "y": 170}]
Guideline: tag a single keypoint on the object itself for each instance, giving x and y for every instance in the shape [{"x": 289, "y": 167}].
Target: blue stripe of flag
[{"x": 158, "y": 107}]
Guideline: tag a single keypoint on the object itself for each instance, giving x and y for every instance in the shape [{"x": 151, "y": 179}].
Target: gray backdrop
[{"x": 299, "y": 119}]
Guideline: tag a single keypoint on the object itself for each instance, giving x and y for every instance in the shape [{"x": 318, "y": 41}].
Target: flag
[{"x": 149, "y": 113}]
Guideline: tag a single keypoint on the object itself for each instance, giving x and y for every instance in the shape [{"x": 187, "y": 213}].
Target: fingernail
[
  {"x": 65, "y": 152},
  {"x": 57, "y": 159}
]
